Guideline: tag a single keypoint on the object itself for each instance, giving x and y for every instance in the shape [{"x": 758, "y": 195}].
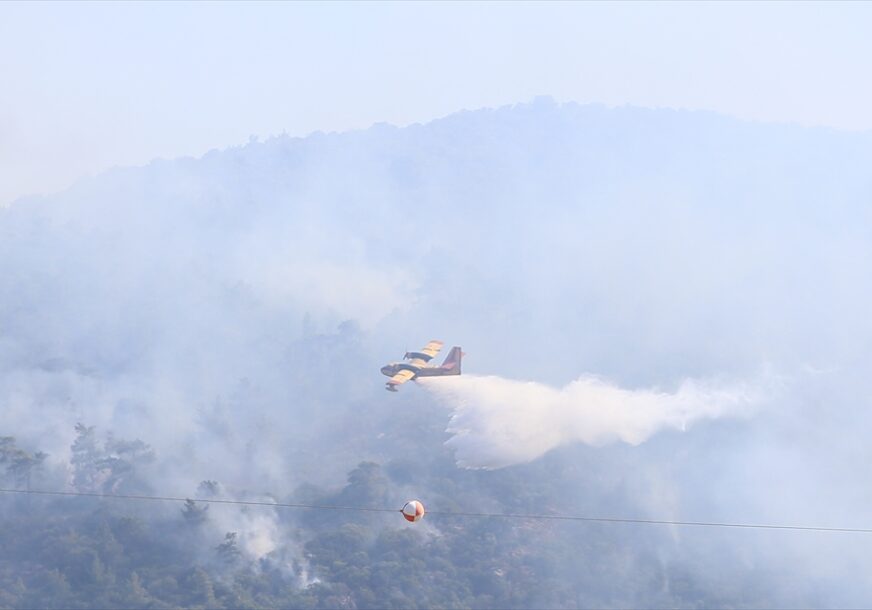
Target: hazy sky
[{"x": 87, "y": 86}]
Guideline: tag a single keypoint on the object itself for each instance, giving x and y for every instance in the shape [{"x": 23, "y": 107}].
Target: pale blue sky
[{"x": 94, "y": 85}]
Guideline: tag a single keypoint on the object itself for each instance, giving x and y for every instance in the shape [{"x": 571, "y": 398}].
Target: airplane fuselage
[{"x": 393, "y": 368}]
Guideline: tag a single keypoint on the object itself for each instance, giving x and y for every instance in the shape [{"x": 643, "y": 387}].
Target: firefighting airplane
[{"x": 415, "y": 364}]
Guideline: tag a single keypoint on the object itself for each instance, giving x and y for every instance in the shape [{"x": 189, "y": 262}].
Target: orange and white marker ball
[{"x": 413, "y": 511}]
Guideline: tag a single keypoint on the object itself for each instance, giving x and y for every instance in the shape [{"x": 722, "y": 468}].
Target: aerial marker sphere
[{"x": 413, "y": 510}]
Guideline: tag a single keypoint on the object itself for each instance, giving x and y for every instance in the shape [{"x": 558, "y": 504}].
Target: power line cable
[
  {"x": 528, "y": 516},
  {"x": 204, "y": 500},
  {"x": 765, "y": 526}
]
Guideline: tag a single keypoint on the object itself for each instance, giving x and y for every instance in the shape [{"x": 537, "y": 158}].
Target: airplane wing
[
  {"x": 432, "y": 348},
  {"x": 400, "y": 378},
  {"x": 427, "y": 353}
]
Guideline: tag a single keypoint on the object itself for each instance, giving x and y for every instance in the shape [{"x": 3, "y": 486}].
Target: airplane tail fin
[{"x": 451, "y": 366}]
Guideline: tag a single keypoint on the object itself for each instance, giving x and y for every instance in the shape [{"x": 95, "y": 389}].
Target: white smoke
[
  {"x": 498, "y": 422},
  {"x": 258, "y": 529}
]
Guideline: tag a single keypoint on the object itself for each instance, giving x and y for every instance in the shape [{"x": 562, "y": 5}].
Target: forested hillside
[
  {"x": 214, "y": 328},
  {"x": 83, "y": 553}
]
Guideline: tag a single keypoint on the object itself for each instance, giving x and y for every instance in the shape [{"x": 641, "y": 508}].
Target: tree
[
  {"x": 228, "y": 550},
  {"x": 193, "y": 514},
  {"x": 19, "y": 463},
  {"x": 120, "y": 462},
  {"x": 85, "y": 455},
  {"x": 108, "y": 468},
  {"x": 209, "y": 488},
  {"x": 137, "y": 596}
]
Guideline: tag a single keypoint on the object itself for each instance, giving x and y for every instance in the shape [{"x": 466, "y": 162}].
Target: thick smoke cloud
[
  {"x": 498, "y": 422},
  {"x": 232, "y": 312}
]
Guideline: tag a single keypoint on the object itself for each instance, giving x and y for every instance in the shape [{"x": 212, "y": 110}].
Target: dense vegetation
[{"x": 78, "y": 552}]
